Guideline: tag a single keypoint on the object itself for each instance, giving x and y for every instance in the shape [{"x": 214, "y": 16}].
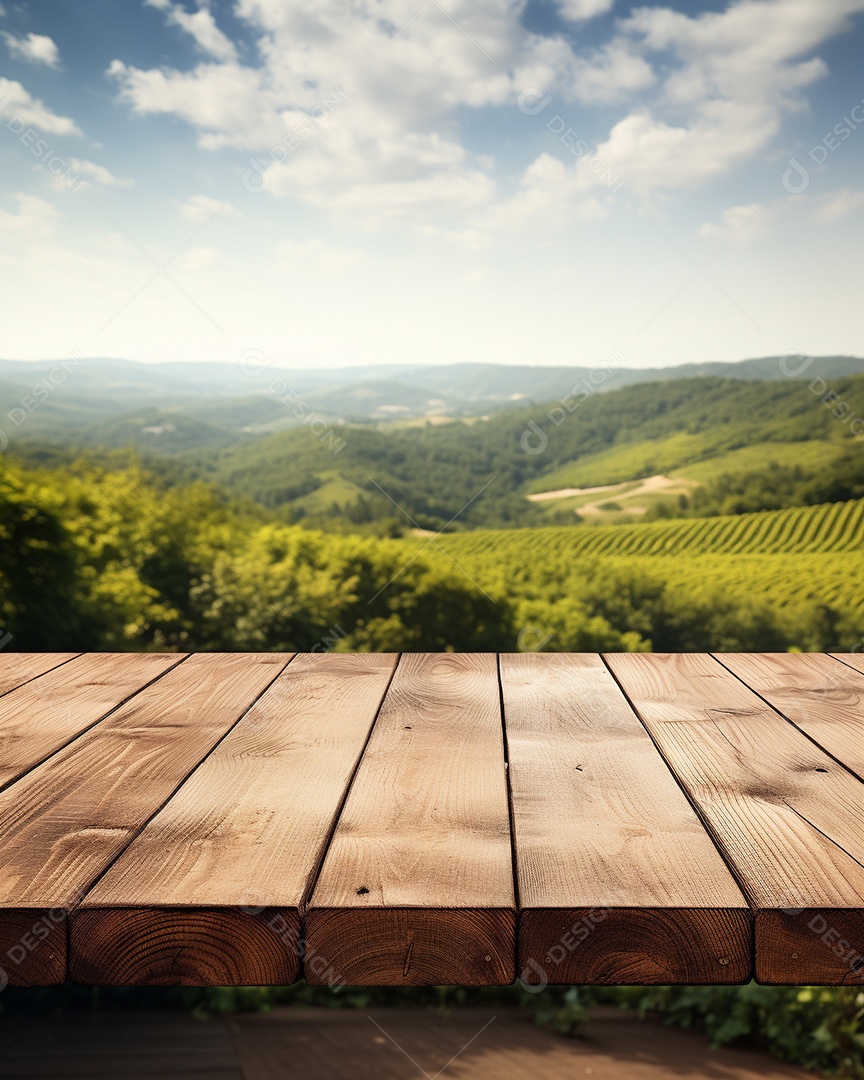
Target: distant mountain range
[
  {"x": 348, "y": 454},
  {"x": 112, "y": 400}
]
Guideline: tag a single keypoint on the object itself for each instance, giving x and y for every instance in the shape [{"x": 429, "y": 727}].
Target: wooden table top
[{"x": 222, "y": 819}]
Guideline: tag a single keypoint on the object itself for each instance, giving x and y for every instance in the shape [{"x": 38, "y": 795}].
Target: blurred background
[{"x": 456, "y": 325}]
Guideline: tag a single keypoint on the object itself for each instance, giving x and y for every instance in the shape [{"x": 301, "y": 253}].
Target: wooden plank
[
  {"x": 821, "y": 697},
  {"x": 417, "y": 886},
  {"x": 18, "y": 668},
  {"x": 64, "y": 822},
  {"x": 234, "y": 853},
  {"x": 787, "y": 817},
  {"x": 853, "y": 660},
  {"x": 41, "y": 716},
  {"x": 618, "y": 881}
]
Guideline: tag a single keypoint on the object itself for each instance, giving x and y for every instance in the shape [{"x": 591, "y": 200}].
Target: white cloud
[
  {"x": 201, "y": 26},
  {"x": 650, "y": 153},
  {"x": 357, "y": 108},
  {"x": 36, "y": 48},
  {"x": 226, "y": 102},
  {"x": 611, "y": 74},
  {"x": 734, "y": 76},
  {"x": 359, "y": 101},
  {"x": 35, "y": 218},
  {"x": 16, "y": 101},
  {"x": 843, "y": 202},
  {"x": 578, "y": 10},
  {"x": 90, "y": 171},
  {"x": 202, "y": 207},
  {"x": 552, "y": 195},
  {"x": 736, "y": 221}
]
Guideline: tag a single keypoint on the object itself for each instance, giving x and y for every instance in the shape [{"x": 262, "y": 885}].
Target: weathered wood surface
[
  {"x": 618, "y": 880},
  {"x": 63, "y": 823},
  {"x": 44, "y": 714},
  {"x": 788, "y": 818},
  {"x": 234, "y": 854},
  {"x": 417, "y": 886},
  {"x": 822, "y": 697},
  {"x": 19, "y": 668},
  {"x": 853, "y": 660},
  {"x": 431, "y": 818}
]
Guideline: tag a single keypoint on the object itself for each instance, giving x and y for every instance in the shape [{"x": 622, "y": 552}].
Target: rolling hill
[
  {"x": 827, "y": 528},
  {"x": 474, "y": 474},
  {"x": 650, "y": 446},
  {"x": 773, "y": 580},
  {"x": 239, "y": 399}
]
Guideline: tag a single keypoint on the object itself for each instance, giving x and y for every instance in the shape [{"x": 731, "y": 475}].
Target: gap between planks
[
  {"x": 417, "y": 885},
  {"x": 618, "y": 879},
  {"x": 788, "y": 818},
  {"x": 213, "y": 887},
  {"x": 66, "y": 820},
  {"x": 781, "y": 930}
]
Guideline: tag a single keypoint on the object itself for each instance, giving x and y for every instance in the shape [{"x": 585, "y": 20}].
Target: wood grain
[
  {"x": 67, "y": 819},
  {"x": 32, "y": 947},
  {"x": 618, "y": 880},
  {"x": 786, "y": 816},
  {"x": 242, "y": 840},
  {"x": 193, "y": 806},
  {"x": 188, "y": 946},
  {"x": 417, "y": 884},
  {"x": 41, "y": 716},
  {"x": 853, "y": 660},
  {"x": 821, "y": 697},
  {"x": 410, "y": 946},
  {"x": 18, "y": 668}
]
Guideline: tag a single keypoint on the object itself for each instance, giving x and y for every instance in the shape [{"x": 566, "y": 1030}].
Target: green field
[
  {"x": 699, "y": 457},
  {"x": 812, "y": 456},
  {"x": 832, "y": 527},
  {"x": 773, "y": 580},
  {"x": 630, "y": 460},
  {"x": 138, "y": 561},
  {"x": 335, "y": 490}
]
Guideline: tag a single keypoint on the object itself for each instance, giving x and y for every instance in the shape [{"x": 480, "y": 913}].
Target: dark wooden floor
[{"x": 384, "y": 1044}]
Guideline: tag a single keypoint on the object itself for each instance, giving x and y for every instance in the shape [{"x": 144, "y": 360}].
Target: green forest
[
  {"x": 776, "y": 443},
  {"x": 100, "y": 558},
  {"x": 430, "y": 536}
]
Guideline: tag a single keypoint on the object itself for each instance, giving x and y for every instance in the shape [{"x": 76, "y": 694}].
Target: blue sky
[{"x": 450, "y": 180}]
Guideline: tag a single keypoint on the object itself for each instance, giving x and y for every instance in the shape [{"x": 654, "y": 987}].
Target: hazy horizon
[
  {"x": 575, "y": 363},
  {"x": 443, "y": 182}
]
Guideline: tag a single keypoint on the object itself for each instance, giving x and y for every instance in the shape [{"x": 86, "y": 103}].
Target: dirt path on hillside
[{"x": 652, "y": 485}]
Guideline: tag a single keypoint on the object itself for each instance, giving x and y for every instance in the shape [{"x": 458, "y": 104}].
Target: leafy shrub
[{"x": 819, "y": 1027}]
